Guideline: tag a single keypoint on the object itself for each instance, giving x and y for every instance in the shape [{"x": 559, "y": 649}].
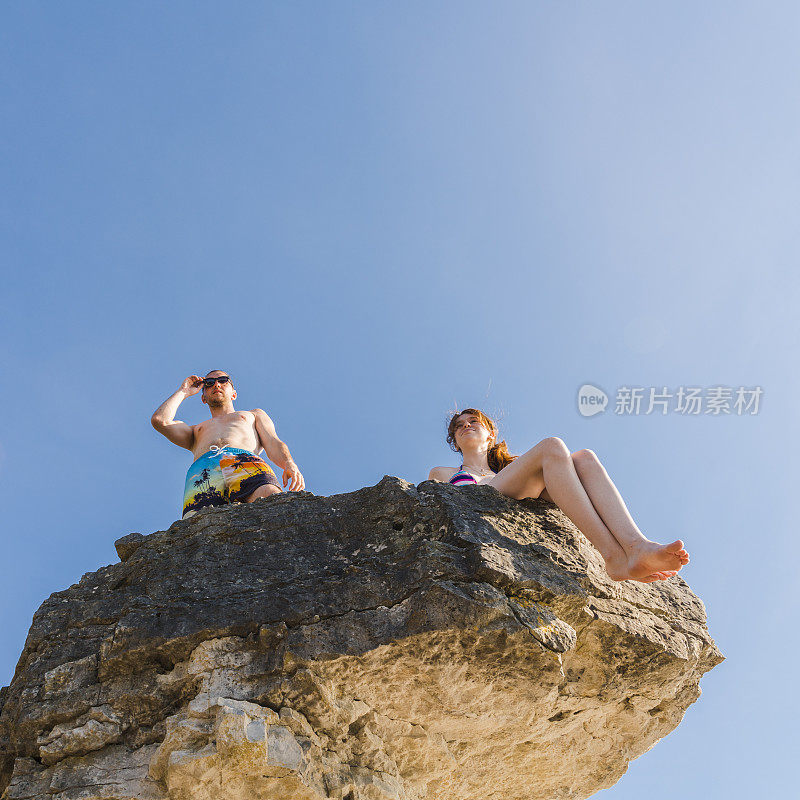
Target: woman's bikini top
[{"x": 462, "y": 477}]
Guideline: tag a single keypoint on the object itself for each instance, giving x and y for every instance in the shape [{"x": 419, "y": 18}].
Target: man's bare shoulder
[
  {"x": 265, "y": 427},
  {"x": 263, "y": 420}
]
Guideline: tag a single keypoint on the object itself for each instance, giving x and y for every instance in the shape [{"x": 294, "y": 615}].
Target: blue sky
[{"x": 369, "y": 213}]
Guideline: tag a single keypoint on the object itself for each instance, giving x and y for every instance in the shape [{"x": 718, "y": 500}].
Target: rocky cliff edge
[{"x": 393, "y": 643}]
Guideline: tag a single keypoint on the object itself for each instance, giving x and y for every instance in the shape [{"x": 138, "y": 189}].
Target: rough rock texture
[{"x": 397, "y": 642}]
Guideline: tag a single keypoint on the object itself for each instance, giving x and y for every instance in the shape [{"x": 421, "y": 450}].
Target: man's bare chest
[{"x": 238, "y": 426}]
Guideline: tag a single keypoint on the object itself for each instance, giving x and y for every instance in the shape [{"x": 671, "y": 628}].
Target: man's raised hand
[
  {"x": 191, "y": 385},
  {"x": 293, "y": 477}
]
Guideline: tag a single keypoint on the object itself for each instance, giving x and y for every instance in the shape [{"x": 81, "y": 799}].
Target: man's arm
[
  {"x": 277, "y": 451},
  {"x": 163, "y": 418}
]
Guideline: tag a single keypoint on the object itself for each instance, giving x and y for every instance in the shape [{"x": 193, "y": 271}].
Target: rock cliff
[{"x": 396, "y": 642}]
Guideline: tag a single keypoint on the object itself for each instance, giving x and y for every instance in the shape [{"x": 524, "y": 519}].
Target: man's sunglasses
[{"x": 209, "y": 382}]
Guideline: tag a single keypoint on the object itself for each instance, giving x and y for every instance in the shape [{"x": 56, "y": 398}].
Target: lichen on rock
[{"x": 393, "y": 643}]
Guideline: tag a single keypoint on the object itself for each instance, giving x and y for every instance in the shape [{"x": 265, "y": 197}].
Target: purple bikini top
[{"x": 462, "y": 477}]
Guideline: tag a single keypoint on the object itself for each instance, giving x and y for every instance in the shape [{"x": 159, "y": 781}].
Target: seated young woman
[{"x": 576, "y": 482}]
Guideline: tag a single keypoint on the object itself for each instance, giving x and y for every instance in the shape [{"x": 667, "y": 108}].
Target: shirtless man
[{"x": 227, "y": 468}]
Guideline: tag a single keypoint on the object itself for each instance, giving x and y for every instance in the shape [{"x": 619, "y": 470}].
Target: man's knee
[{"x": 263, "y": 491}]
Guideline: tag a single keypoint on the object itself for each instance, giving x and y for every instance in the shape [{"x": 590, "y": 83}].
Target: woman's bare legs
[
  {"x": 644, "y": 556},
  {"x": 549, "y": 466},
  {"x": 544, "y": 466}
]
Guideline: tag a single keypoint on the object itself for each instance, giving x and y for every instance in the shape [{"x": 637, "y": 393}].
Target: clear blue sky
[{"x": 371, "y": 212}]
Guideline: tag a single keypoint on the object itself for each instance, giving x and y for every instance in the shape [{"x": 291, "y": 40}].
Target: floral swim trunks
[{"x": 224, "y": 475}]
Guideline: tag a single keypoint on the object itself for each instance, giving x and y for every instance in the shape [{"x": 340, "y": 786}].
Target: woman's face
[{"x": 470, "y": 431}]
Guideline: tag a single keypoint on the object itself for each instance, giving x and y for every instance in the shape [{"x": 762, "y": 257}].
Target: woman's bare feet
[{"x": 649, "y": 561}]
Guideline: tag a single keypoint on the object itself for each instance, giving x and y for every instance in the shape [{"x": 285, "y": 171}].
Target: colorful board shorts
[{"x": 224, "y": 475}]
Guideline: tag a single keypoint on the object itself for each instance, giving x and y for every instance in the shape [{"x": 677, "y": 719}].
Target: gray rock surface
[{"x": 396, "y": 642}]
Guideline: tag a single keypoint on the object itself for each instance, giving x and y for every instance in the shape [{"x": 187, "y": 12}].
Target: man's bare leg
[
  {"x": 263, "y": 491},
  {"x": 549, "y": 465}
]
